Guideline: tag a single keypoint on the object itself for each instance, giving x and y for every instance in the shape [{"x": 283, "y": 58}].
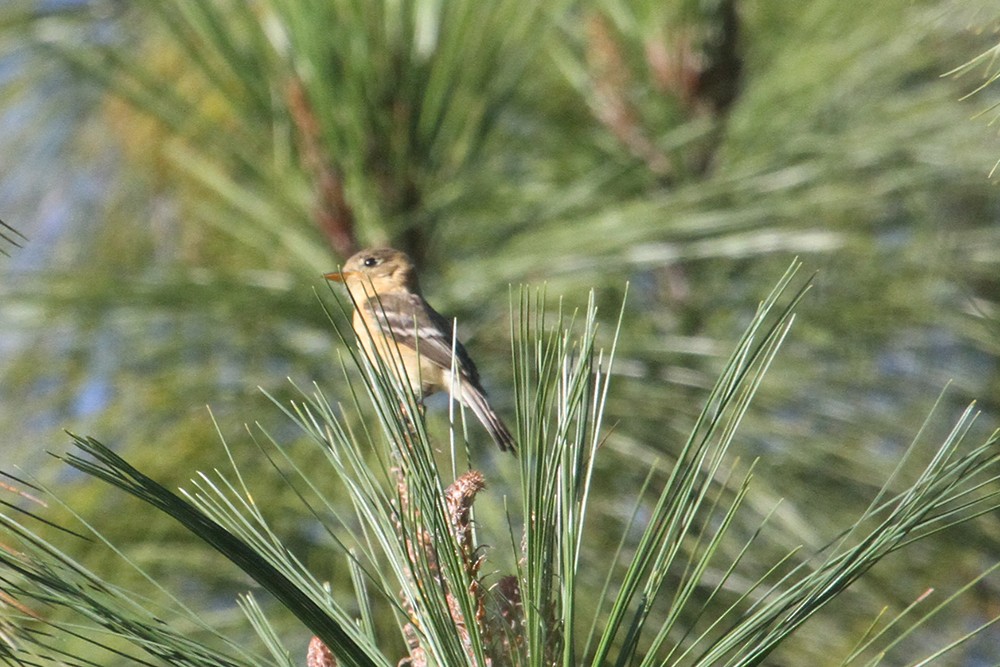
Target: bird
[{"x": 393, "y": 321}]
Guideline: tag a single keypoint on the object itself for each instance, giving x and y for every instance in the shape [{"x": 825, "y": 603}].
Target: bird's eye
[{"x": 370, "y": 261}]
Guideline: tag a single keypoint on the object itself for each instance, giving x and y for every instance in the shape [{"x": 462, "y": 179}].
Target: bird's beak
[{"x": 338, "y": 276}]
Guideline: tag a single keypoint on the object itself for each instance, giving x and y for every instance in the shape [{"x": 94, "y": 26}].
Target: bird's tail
[{"x": 475, "y": 398}]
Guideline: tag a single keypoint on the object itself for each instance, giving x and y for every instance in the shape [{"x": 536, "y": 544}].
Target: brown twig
[
  {"x": 612, "y": 80},
  {"x": 700, "y": 66},
  {"x": 333, "y": 214},
  {"x": 319, "y": 655},
  {"x": 420, "y": 546},
  {"x": 720, "y": 80},
  {"x": 459, "y": 497},
  {"x": 508, "y": 596}
]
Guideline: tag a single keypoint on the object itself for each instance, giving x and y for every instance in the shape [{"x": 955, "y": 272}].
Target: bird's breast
[{"x": 382, "y": 350}]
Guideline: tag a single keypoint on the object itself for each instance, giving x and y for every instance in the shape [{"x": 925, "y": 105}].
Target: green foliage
[
  {"x": 185, "y": 170},
  {"x": 410, "y": 543}
]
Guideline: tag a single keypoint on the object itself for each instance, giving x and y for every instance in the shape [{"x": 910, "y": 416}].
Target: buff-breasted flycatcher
[{"x": 392, "y": 320}]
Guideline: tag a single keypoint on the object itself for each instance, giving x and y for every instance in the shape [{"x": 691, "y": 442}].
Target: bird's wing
[{"x": 408, "y": 318}]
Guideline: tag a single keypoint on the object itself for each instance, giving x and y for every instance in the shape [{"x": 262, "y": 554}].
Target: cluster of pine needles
[{"x": 677, "y": 590}]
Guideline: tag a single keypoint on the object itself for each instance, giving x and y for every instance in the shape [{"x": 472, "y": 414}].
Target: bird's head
[{"x": 383, "y": 270}]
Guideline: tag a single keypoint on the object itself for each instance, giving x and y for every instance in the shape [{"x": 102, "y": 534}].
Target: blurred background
[{"x": 183, "y": 173}]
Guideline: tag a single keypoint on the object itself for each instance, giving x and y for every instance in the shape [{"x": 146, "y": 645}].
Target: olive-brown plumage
[{"x": 394, "y": 321}]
